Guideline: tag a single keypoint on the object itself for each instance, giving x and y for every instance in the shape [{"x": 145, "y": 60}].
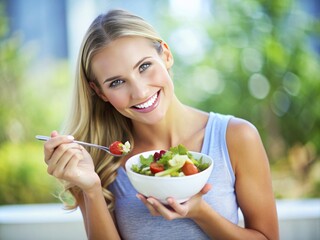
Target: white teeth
[{"x": 148, "y": 103}]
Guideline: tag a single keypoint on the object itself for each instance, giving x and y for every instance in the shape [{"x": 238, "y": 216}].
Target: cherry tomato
[
  {"x": 116, "y": 147},
  {"x": 189, "y": 169},
  {"x": 156, "y": 167}
]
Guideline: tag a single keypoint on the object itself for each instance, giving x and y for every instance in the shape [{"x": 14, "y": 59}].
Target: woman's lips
[{"x": 148, "y": 105}]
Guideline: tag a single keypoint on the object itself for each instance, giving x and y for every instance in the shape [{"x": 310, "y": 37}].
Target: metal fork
[{"x": 46, "y": 138}]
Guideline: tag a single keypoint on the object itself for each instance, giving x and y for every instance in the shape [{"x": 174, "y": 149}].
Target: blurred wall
[
  {"x": 43, "y": 23},
  {"x": 55, "y": 28}
]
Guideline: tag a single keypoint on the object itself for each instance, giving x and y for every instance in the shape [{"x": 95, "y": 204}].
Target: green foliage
[
  {"x": 23, "y": 175},
  {"x": 258, "y": 64},
  {"x": 33, "y": 95},
  {"x": 32, "y": 101}
]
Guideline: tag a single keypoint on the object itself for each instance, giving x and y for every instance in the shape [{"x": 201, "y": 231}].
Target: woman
[{"x": 124, "y": 91}]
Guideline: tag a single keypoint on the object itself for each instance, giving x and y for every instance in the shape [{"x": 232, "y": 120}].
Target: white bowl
[{"x": 180, "y": 188}]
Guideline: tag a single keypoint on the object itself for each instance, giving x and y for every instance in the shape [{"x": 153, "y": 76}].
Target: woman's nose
[{"x": 139, "y": 90}]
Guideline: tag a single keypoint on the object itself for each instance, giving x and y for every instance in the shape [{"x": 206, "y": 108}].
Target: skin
[{"x": 129, "y": 72}]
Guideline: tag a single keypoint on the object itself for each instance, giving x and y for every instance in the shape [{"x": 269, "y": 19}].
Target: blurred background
[{"x": 258, "y": 60}]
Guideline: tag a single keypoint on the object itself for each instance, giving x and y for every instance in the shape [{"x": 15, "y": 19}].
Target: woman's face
[{"x": 134, "y": 78}]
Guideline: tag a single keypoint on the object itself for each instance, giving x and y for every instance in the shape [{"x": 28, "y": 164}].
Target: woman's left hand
[{"x": 175, "y": 210}]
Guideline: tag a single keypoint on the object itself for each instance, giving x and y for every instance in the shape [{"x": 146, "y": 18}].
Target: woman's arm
[
  {"x": 98, "y": 220},
  {"x": 253, "y": 189},
  {"x": 253, "y": 178},
  {"x": 71, "y": 162}
]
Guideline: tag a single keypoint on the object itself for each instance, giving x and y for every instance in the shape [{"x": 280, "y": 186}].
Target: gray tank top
[{"x": 133, "y": 218}]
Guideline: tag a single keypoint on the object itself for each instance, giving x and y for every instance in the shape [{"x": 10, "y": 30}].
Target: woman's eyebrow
[
  {"x": 111, "y": 79},
  {"x": 140, "y": 61}
]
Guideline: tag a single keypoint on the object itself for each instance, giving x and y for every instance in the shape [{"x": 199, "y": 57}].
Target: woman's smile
[{"x": 148, "y": 105}]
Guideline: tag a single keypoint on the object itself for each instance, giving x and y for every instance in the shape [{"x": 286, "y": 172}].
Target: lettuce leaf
[{"x": 146, "y": 161}]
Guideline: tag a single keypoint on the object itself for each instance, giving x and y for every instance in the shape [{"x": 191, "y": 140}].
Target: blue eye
[
  {"x": 144, "y": 66},
  {"x": 115, "y": 83}
]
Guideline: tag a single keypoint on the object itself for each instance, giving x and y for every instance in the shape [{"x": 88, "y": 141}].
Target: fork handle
[
  {"x": 42, "y": 138},
  {"x": 46, "y": 138}
]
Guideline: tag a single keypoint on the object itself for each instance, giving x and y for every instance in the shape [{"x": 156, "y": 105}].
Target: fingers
[
  {"x": 54, "y": 134},
  {"x": 149, "y": 204},
  {"x": 184, "y": 208},
  {"x": 64, "y": 150},
  {"x": 64, "y": 159},
  {"x": 55, "y": 140},
  {"x": 75, "y": 159},
  {"x": 174, "y": 209},
  {"x": 207, "y": 187},
  {"x": 181, "y": 209},
  {"x": 156, "y": 208},
  {"x": 62, "y": 155}
]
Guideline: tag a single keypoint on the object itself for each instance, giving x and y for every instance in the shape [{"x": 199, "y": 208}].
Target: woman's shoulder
[
  {"x": 243, "y": 139},
  {"x": 241, "y": 133},
  {"x": 241, "y": 128}
]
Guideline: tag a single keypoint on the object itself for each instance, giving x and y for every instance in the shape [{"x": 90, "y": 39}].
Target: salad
[{"x": 176, "y": 162}]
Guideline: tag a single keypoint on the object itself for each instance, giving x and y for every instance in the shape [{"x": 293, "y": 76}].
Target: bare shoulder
[
  {"x": 243, "y": 141},
  {"x": 241, "y": 131}
]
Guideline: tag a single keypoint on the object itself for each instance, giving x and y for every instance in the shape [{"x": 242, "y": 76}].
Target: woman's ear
[
  {"x": 98, "y": 91},
  {"x": 167, "y": 55}
]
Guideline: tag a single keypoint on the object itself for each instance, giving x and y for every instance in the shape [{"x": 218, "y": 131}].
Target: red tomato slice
[
  {"x": 156, "y": 167},
  {"x": 116, "y": 148},
  {"x": 189, "y": 169}
]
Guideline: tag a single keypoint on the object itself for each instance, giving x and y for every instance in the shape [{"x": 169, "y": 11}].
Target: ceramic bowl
[{"x": 180, "y": 188}]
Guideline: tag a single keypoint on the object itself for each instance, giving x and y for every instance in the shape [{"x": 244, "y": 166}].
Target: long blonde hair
[{"x": 91, "y": 119}]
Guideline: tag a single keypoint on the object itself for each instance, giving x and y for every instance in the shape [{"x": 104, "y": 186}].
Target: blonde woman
[{"x": 124, "y": 91}]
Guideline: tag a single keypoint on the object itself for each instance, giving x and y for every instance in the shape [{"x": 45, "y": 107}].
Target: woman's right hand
[{"x": 69, "y": 161}]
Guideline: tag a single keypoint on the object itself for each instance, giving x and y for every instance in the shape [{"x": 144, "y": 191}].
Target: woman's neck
[{"x": 181, "y": 125}]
